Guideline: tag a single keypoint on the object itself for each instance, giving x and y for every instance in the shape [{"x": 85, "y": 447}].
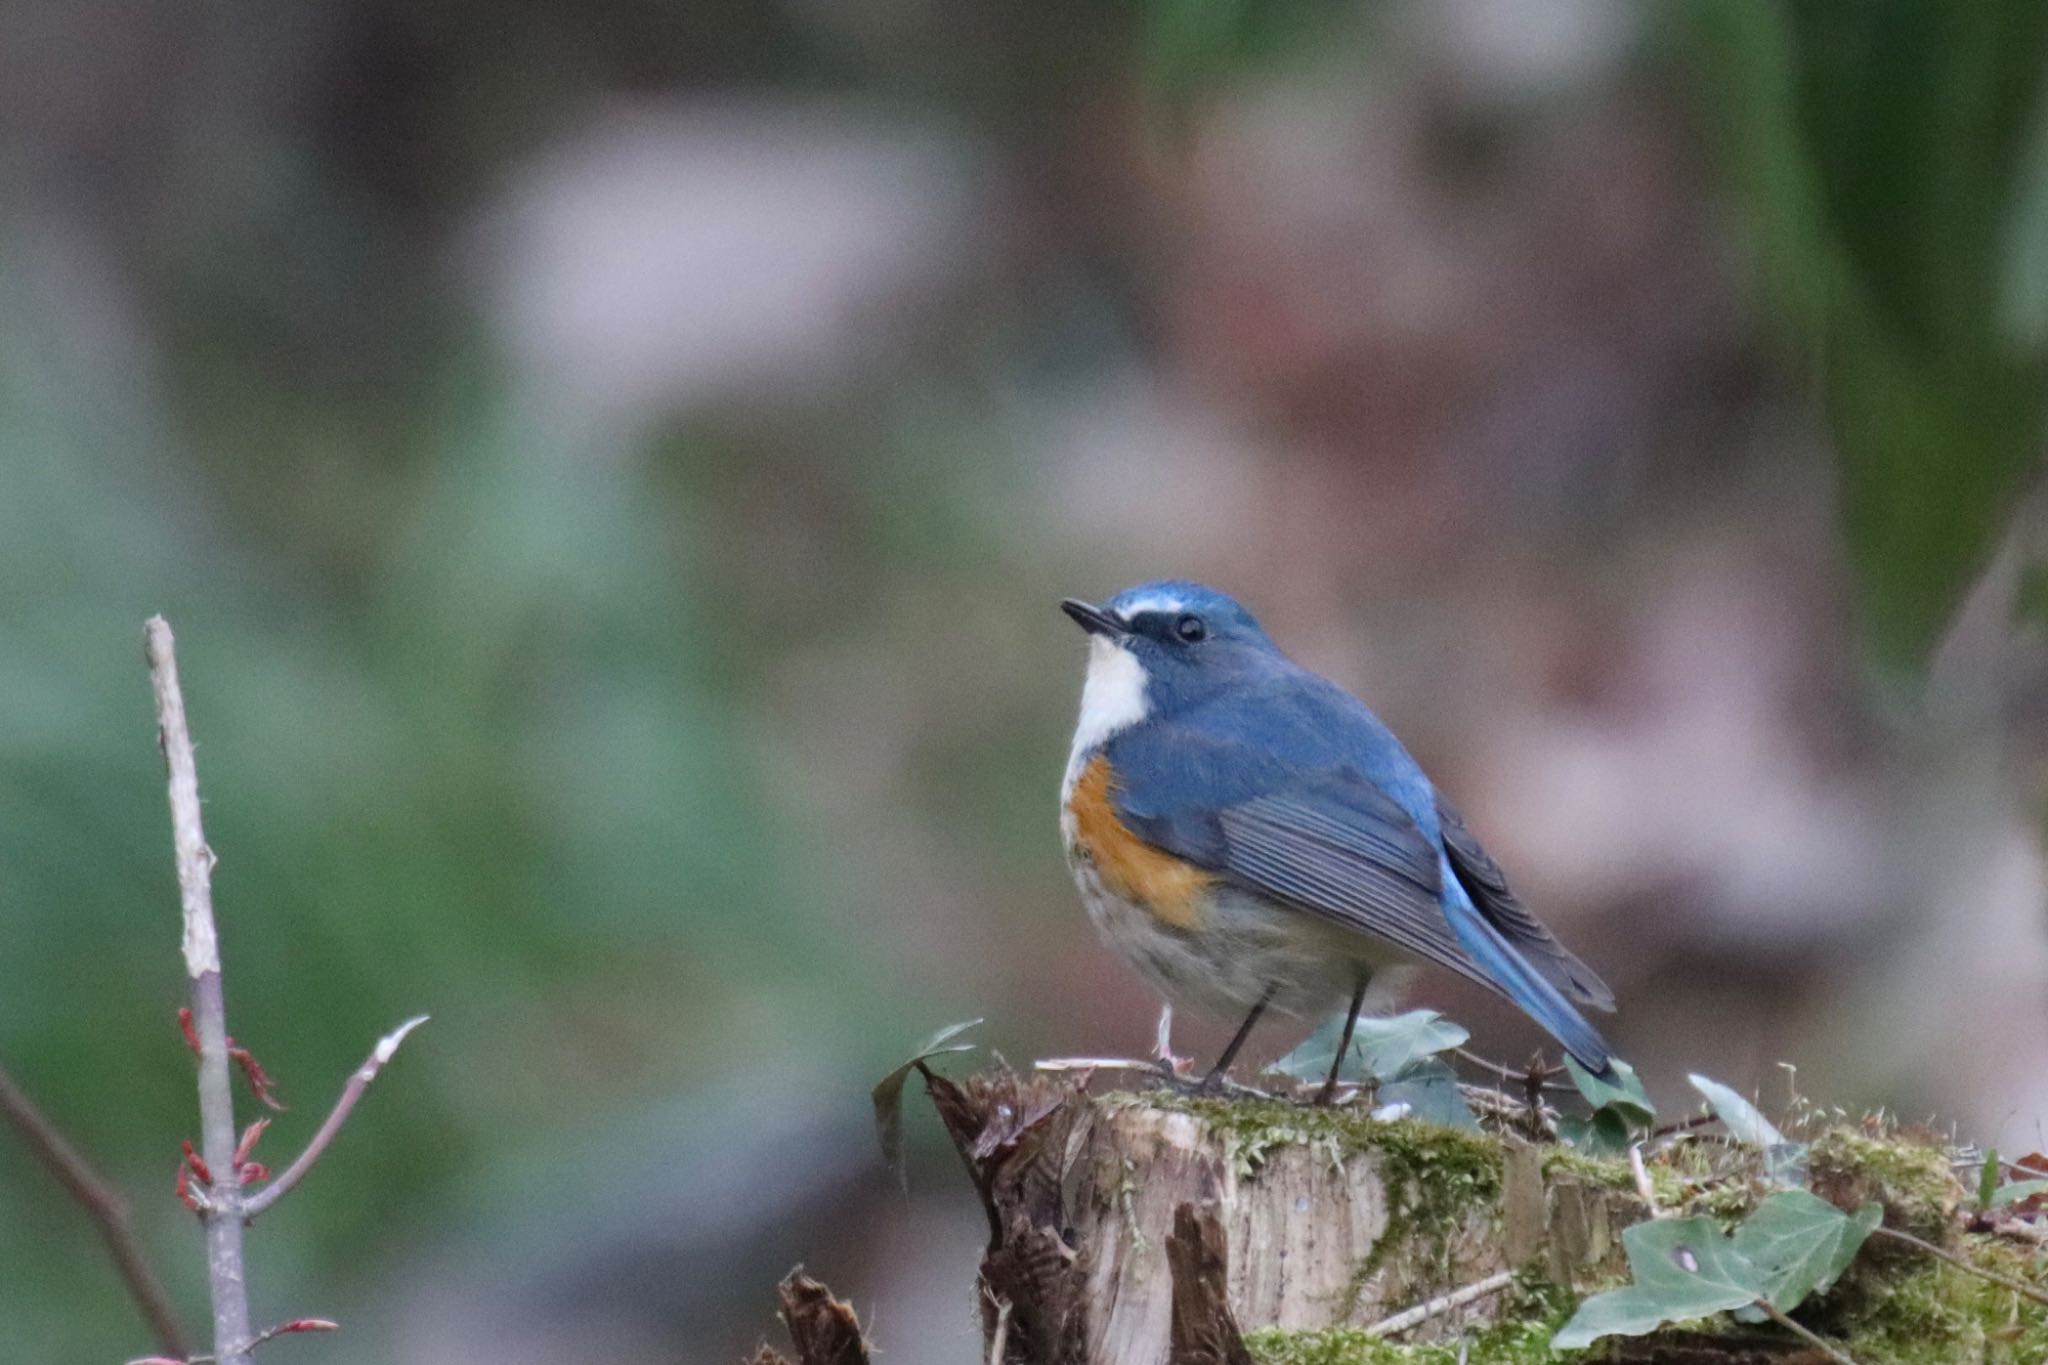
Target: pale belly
[{"x": 1244, "y": 946}]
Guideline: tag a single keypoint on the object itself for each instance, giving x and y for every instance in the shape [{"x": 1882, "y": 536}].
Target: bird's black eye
[{"x": 1191, "y": 628}]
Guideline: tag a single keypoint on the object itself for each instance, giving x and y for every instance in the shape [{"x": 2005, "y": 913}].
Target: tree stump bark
[{"x": 1147, "y": 1229}]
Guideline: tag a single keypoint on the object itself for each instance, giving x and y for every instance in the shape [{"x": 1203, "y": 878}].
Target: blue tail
[{"x": 1519, "y": 982}]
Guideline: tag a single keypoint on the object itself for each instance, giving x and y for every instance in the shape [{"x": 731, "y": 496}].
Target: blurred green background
[{"x": 611, "y": 467}]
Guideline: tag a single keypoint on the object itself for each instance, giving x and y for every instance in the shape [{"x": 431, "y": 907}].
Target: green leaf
[
  {"x": 1801, "y": 1244},
  {"x": 1381, "y": 1049},
  {"x": 1743, "y": 1120},
  {"x": 1604, "y": 1132},
  {"x": 1891, "y": 158},
  {"x": 1430, "y": 1090},
  {"x": 1784, "y": 1161},
  {"x": 1624, "y": 1094},
  {"x": 1987, "y": 1180},
  {"x": 2018, "y": 1189},
  {"x": 1683, "y": 1268},
  {"x": 888, "y": 1092}
]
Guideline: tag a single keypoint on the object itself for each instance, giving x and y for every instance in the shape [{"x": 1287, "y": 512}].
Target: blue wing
[
  {"x": 1487, "y": 885},
  {"x": 1334, "y": 842},
  {"x": 1328, "y": 841}
]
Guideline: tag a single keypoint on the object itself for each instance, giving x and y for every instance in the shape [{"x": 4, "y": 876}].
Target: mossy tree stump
[
  {"x": 1309, "y": 1219},
  {"x": 1161, "y": 1229}
]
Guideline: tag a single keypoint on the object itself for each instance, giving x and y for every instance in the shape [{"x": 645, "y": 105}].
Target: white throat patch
[{"x": 1112, "y": 699}]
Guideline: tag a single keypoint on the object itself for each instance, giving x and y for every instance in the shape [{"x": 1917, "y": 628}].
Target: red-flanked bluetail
[{"x": 1248, "y": 835}]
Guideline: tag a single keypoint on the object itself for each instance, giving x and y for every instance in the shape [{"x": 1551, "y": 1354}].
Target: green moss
[
  {"x": 1895, "y": 1307},
  {"x": 1610, "y": 1172},
  {"x": 1938, "y": 1316},
  {"x": 1252, "y": 1128},
  {"x": 1915, "y": 1183},
  {"x": 1730, "y": 1203},
  {"x": 1528, "y": 1315}
]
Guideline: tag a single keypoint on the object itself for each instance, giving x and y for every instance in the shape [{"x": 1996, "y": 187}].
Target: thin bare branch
[
  {"x": 1646, "y": 1190},
  {"x": 226, "y": 1276},
  {"x": 295, "y": 1325},
  {"x": 1440, "y": 1305},
  {"x": 1685, "y": 1125},
  {"x": 1811, "y": 1338},
  {"x": 2026, "y": 1290},
  {"x": 1224, "y": 1085},
  {"x": 107, "y": 1209},
  {"x": 1518, "y": 1075},
  {"x": 267, "y": 1334},
  {"x": 358, "y": 1082},
  {"x": 1095, "y": 1064}
]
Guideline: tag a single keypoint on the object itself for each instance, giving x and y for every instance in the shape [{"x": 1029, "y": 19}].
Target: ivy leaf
[
  {"x": 1683, "y": 1268},
  {"x": 1604, "y": 1132},
  {"x": 2017, "y": 1190},
  {"x": 1625, "y": 1093},
  {"x": 888, "y": 1092},
  {"x": 1784, "y": 1161},
  {"x": 1381, "y": 1049},
  {"x": 1801, "y": 1243},
  {"x": 1430, "y": 1090},
  {"x": 1743, "y": 1120},
  {"x": 1620, "y": 1108}
]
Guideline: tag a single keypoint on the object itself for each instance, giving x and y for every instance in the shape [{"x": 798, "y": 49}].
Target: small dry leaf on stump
[{"x": 824, "y": 1328}]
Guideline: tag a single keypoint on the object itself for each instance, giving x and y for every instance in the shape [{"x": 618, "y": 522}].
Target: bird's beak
[{"x": 1095, "y": 620}]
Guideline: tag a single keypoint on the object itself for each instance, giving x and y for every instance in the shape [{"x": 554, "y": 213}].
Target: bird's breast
[{"x": 1169, "y": 888}]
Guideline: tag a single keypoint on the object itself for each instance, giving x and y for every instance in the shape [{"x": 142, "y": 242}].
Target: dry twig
[
  {"x": 1644, "y": 1188},
  {"x": 107, "y": 1209},
  {"x": 1950, "y": 1258},
  {"x": 1441, "y": 1304},
  {"x": 358, "y": 1082},
  {"x": 1811, "y": 1338}
]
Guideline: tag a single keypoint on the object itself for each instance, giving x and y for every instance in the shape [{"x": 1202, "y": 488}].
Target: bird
[{"x": 1248, "y": 835}]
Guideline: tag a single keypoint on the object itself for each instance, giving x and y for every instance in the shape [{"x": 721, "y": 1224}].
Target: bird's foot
[{"x": 1172, "y": 1073}]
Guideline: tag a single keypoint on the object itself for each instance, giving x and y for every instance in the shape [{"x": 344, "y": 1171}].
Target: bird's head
[{"x": 1160, "y": 647}]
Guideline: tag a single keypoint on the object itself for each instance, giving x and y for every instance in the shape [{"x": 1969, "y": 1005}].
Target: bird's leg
[
  {"x": 1213, "y": 1082},
  {"x": 1328, "y": 1093},
  {"x": 1162, "y": 1045}
]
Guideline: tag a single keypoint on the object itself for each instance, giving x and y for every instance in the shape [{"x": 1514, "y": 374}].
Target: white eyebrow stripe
[{"x": 1157, "y": 602}]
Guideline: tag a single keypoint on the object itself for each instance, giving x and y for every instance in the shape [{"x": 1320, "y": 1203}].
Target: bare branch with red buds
[
  {"x": 212, "y": 1178},
  {"x": 268, "y": 1334},
  {"x": 259, "y": 1080}
]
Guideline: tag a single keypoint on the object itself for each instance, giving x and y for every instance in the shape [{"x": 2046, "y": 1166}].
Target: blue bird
[{"x": 1247, "y": 834}]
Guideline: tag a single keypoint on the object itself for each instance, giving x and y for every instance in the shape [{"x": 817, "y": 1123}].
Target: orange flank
[{"x": 1165, "y": 886}]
